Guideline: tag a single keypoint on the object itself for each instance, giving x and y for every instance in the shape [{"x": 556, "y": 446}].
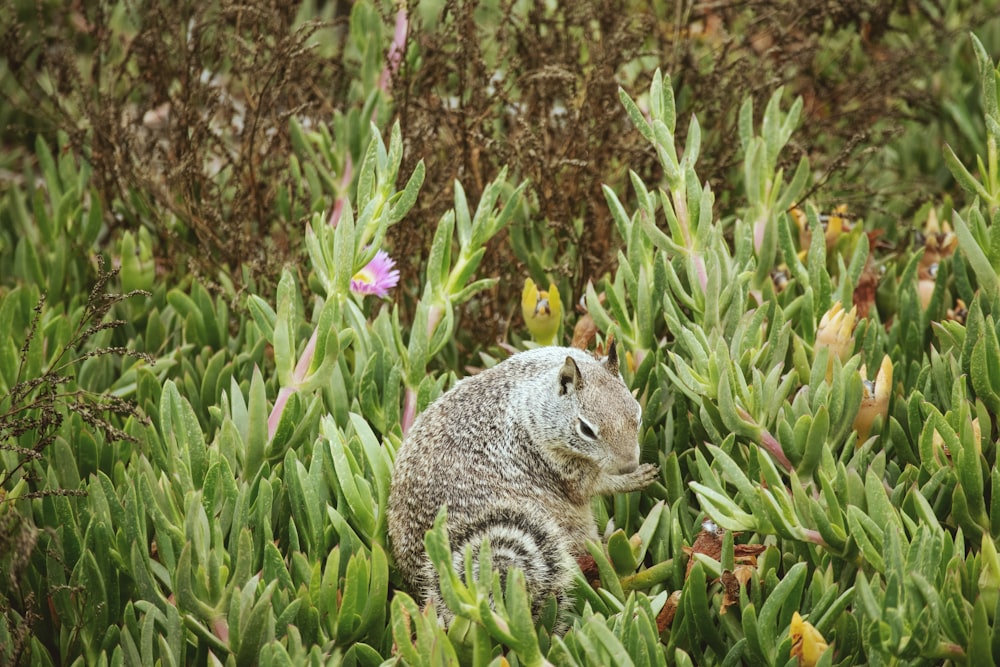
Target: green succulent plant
[{"x": 194, "y": 470}]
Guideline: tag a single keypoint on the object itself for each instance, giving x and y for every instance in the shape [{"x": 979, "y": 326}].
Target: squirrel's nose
[
  {"x": 631, "y": 464},
  {"x": 626, "y": 468}
]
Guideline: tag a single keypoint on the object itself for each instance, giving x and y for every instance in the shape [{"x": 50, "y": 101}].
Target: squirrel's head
[{"x": 604, "y": 416}]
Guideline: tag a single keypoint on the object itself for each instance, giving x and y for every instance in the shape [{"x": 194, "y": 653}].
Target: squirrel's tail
[{"x": 518, "y": 537}]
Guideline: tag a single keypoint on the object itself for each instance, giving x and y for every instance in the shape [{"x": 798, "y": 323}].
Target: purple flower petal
[{"x": 377, "y": 277}]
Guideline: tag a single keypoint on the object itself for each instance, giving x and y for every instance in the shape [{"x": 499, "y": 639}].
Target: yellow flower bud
[
  {"x": 932, "y": 227},
  {"x": 542, "y": 312},
  {"x": 836, "y": 333},
  {"x": 836, "y": 225},
  {"x": 630, "y": 361},
  {"x": 802, "y": 224},
  {"x": 808, "y": 644},
  {"x": 875, "y": 401}
]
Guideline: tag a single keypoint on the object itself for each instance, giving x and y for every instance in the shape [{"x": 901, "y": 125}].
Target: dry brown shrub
[
  {"x": 185, "y": 114},
  {"x": 182, "y": 109},
  {"x": 538, "y": 92}
]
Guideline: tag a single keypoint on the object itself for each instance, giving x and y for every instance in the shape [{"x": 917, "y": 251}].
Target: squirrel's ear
[
  {"x": 569, "y": 376},
  {"x": 611, "y": 363}
]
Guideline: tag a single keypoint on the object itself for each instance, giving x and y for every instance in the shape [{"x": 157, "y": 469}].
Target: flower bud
[
  {"x": 808, "y": 645},
  {"x": 939, "y": 242},
  {"x": 542, "y": 312},
  {"x": 835, "y": 225},
  {"x": 836, "y": 333},
  {"x": 938, "y": 239},
  {"x": 927, "y": 279},
  {"x": 875, "y": 401}
]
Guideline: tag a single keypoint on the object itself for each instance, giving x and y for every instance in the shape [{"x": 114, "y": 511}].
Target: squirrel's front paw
[
  {"x": 639, "y": 478},
  {"x": 633, "y": 480}
]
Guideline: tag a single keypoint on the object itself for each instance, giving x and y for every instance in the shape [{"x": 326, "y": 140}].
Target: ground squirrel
[{"x": 516, "y": 453}]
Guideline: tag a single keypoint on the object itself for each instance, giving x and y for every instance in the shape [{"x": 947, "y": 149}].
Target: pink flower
[{"x": 378, "y": 276}]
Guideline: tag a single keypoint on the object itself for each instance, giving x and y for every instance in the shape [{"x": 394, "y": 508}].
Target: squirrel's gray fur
[{"x": 516, "y": 453}]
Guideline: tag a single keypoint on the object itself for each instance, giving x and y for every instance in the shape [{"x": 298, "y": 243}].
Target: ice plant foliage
[{"x": 377, "y": 277}]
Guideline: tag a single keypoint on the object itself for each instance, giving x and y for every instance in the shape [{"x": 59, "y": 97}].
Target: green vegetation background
[{"x": 200, "y": 403}]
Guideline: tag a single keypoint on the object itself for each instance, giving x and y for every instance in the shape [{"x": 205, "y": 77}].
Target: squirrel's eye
[{"x": 585, "y": 430}]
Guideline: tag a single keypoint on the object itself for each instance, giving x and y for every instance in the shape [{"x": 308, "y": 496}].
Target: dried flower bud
[
  {"x": 939, "y": 242},
  {"x": 925, "y": 285},
  {"x": 584, "y": 332},
  {"x": 875, "y": 401}
]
